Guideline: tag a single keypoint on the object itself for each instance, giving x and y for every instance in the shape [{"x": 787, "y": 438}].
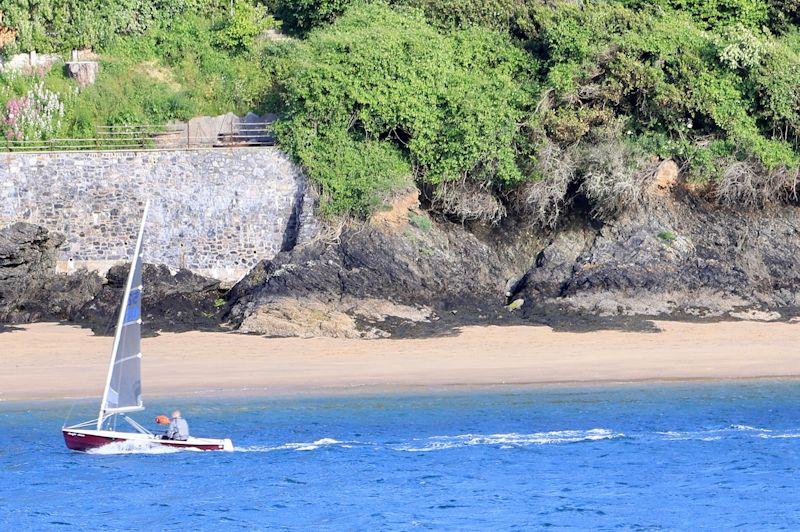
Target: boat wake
[
  {"x": 299, "y": 446},
  {"x": 511, "y": 440},
  {"x": 507, "y": 441},
  {"x": 779, "y": 435},
  {"x": 137, "y": 447},
  {"x": 718, "y": 434}
]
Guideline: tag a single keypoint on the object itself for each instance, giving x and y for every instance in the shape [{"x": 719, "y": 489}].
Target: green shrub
[
  {"x": 448, "y": 14},
  {"x": 741, "y": 48},
  {"x": 238, "y": 31},
  {"x": 694, "y": 80},
  {"x": 301, "y": 16},
  {"x": 487, "y": 105},
  {"x": 449, "y": 104},
  {"x": 168, "y": 69},
  {"x": 61, "y": 25},
  {"x": 720, "y": 13},
  {"x": 668, "y": 77},
  {"x": 354, "y": 176},
  {"x": 668, "y": 237},
  {"x": 420, "y": 221}
]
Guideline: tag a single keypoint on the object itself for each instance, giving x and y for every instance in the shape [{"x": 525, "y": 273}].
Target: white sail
[{"x": 123, "y": 391}]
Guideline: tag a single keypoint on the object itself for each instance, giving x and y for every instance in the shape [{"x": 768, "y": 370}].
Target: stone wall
[{"x": 214, "y": 211}]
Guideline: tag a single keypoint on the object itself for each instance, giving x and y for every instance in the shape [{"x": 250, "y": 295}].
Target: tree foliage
[
  {"x": 449, "y": 103},
  {"x": 703, "y": 97},
  {"x": 301, "y": 16},
  {"x": 245, "y": 22},
  {"x": 471, "y": 93},
  {"x": 59, "y": 25},
  {"x": 490, "y": 106}
]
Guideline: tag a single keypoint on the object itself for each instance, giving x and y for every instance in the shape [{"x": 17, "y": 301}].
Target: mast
[{"x": 135, "y": 260}]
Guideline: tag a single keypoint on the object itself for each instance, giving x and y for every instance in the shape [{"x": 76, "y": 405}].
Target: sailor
[{"x": 178, "y": 428}]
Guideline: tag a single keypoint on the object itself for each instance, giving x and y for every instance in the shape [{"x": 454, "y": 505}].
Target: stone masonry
[{"x": 214, "y": 211}]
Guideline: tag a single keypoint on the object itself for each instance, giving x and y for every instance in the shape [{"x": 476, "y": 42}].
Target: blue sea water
[{"x": 700, "y": 456}]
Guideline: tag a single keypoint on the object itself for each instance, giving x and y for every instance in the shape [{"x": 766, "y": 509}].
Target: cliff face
[
  {"x": 407, "y": 274},
  {"x": 678, "y": 257}
]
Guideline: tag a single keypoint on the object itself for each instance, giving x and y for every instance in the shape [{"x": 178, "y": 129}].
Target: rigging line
[{"x": 71, "y": 406}]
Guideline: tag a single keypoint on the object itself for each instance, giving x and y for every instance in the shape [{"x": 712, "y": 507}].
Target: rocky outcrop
[
  {"x": 346, "y": 317},
  {"x": 83, "y": 72},
  {"x": 31, "y": 290},
  {"x": 384, "y": 277},
  {"x": 27, "y": 252},
  {"x": 676, "y": 257},
  {"x": 170, "y": 302},
  {"x": 680, "y": 256},
  {"x": 405, "y": 273}
]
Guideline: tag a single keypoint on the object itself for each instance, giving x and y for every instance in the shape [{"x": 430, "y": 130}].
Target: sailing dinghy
[{"x": 123, "y": 391}]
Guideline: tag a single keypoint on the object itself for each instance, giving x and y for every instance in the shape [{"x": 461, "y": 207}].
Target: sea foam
[
  {"x": 297, "y": 446},
  {"x": 715, "y": 434},
  {"x": 136, "y": 447},
  {"x": 509, "y": 440}
]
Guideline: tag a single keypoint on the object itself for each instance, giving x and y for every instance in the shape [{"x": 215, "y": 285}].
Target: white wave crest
[
  {"x": 714, "y": 434},
  {"x": 322, "y": 442},
  {"x": 746, "y": 428},
  {"x": 510, "y": 440},
  {"x": 780, "y": 435},
  {"x": 136, "y": 447}
]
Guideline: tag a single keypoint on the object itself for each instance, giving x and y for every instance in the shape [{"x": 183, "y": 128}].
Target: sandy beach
[{"x": 50, "y": 361}]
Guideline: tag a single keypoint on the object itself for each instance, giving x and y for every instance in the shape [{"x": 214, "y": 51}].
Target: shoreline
[
  {"x": 51, "y": 361},
  {"x": 417, "y": 389}
]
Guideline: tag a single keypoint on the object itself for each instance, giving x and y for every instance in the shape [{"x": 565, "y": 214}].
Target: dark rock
[
  {"x": 26, "y": 252},
  {"x": 31, "y": 290},
  {"x": 440, "y": 269},
  {"x": 676, "y": 257},
  {"x": 181, "y": 302}
]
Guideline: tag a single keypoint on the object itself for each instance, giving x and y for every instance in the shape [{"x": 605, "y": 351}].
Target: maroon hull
[
  {"x": 84, "y": 442},
  {"x": 78, "y": 441}
]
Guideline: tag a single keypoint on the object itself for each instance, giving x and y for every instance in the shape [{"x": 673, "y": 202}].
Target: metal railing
[{"x": 147, "y": 136}]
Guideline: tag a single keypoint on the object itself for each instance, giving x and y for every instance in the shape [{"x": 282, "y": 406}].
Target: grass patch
[
  {"x": 668, "y": 237},
  {"x": 420, "y": 221},
  {"x": 173, "y": 64}
]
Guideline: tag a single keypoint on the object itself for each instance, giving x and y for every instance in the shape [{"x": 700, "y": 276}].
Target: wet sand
[{"x": 52, "y": 361}]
